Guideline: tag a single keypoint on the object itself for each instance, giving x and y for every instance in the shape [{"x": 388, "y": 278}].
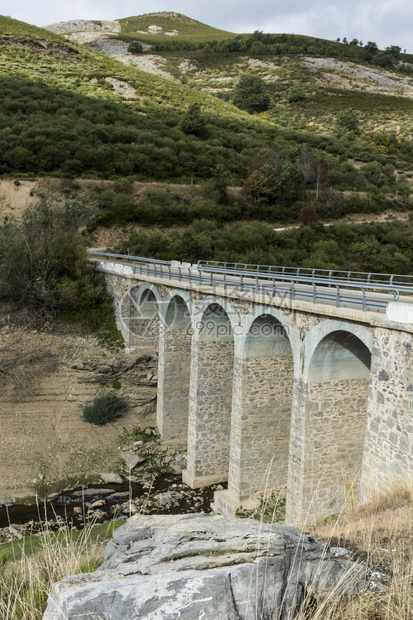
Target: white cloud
[{"x": 387, "y": 23}]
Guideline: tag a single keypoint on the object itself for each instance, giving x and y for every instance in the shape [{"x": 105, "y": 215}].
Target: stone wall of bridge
[{"x": 324, "y": 408}]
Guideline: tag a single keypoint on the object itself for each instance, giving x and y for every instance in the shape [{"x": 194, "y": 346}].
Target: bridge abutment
[{"x": 388, "y": 449}]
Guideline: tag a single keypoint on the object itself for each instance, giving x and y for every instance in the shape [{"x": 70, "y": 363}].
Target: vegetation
[
  {"x": 28, "y": 568},
  {"x": 378, "y": 247},
  {"x": 104, "y": 409},
  {"x": 251, "y": 94},
  {"x": 44, "y": 269}
]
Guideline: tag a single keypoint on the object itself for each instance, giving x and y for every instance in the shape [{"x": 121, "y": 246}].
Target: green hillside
[
  {"x": 323, "y": 151},
  {"x": 182, "y": 28}
]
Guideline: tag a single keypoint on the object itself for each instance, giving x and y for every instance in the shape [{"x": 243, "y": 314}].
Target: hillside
[{"x": 333, "y": 138}]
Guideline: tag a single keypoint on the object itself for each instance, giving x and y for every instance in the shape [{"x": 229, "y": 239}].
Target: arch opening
[
  {"x": 336, "y": 419},
  {"x": 148, "y": 305}
]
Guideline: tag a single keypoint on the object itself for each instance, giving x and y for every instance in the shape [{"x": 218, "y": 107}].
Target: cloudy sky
[{"x": 388, "y": 22}]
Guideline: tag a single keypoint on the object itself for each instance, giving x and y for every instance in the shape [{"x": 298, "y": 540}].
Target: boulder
[
  {"x": 210, "y": 567},
  {"x": 111, "y": 478}
]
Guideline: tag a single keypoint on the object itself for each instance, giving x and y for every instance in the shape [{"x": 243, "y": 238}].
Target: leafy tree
[
  {"x": 251, "y": 94},
  {"x": 347, "y": 124},
  {"x": 272, "y": 179},
  {"x": 306, "y": 165},
  {"x": 382, "y": 59},
  {"x": 44, "y": 269},
  {"x": 371, "y": 46},
  {"x": 193, "y": 121},
  {"x": 393, "y": 50}
]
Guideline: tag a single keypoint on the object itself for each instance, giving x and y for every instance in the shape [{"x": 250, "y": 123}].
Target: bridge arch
[
  {"x": 263, "y": 390},
  {"x": 336, "y": 383},
  {"x": 215, "y": 326},
  {"x": 174, "y": 366},
  {"x": 143, "y": 304}
]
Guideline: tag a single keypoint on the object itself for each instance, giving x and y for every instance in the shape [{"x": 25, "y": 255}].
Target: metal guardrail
[
  {"x": 284, "y": 282},
  {"x": 393, "y": 280}
]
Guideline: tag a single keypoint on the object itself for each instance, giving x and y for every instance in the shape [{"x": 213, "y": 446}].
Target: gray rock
[
  {"x": 4, "y": 501},
  {"x": 131, "y": 460},
  {"x": 210, "y": 567},
  {"x": 92, "y": 492},
  {"x": 111, "y": 478}
]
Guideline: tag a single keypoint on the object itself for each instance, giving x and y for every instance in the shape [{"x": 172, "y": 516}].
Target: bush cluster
[{"x": 104, "y": 409}]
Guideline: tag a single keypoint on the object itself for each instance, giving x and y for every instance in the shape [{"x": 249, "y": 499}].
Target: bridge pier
[
  {"x": 261, "y": 416},
  {"x": 210, "y": 400},
  {"x": 329, "y": 423},
  {"x": 174, "y": 370}
]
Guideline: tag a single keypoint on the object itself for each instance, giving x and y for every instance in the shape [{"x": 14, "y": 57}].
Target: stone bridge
[{"x": 272, "y": 390}]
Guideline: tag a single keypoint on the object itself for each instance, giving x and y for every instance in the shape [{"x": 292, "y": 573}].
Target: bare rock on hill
[{"x": 197, "y": 566}]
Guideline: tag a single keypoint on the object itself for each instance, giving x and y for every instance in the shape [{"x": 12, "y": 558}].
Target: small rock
[
  {"x": 77, "y": 510},
  {"x": 132, "y": 460},
  {"x": 179, "y": 458},
  {"x": 91, "y": 492},
  {"x": 111, "y": 478},
  {"x": 98, "y": 504},
  {"x": 119, "y": 495}
]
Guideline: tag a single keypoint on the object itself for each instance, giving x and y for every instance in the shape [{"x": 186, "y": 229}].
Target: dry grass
[
  {"x": 380, "y": 533},
  {"x": 25, "y": 584},
  {"x": 21, "y": 369}
]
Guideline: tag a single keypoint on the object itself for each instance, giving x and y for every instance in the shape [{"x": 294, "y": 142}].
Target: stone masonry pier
[{"x": 274, "y": 394}]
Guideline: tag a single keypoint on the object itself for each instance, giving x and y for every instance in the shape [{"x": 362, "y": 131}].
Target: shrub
[
  {"x": 104, "y": 409},
  {"x": 135, "y": 47},
  {"x": 296, "y": 93}
]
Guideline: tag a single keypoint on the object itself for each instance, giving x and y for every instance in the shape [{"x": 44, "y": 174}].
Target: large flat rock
[{"x": 209, "y": 567}]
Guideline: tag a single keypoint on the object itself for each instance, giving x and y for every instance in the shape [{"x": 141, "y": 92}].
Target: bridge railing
[
  {"x": 402, "y": 282},
  {"x": 370, "y": 294}
]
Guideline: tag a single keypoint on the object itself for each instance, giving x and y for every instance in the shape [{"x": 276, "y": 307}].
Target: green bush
[
  {"x": 135, "y": 47},
  {"x": 104, "y": 409}
]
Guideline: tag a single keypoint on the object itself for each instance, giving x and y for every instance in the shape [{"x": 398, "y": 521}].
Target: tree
[
  {"x": 347, "y": 124},
  {"x": 193, "y": 121},
  {"x": 271, "y": 179},
  {"x": 393, "y": 50},
  {"x": 371, "y": 46},
  {"x": 251, "y": 94},
  {"x": 306, "y": 165}
]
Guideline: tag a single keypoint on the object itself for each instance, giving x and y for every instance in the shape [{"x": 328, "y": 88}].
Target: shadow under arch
[
  {"x": 337, "y": 374},
  {"x": 215, "y": 325},
  {"x": 174, "y": 369}
]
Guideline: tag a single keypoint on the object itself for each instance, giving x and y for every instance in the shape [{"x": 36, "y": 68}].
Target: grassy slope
[
  {"x": 189, "y": 30},
  {"x": 23, "y": 61}
]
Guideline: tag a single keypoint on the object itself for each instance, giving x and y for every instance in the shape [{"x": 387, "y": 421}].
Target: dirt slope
[{"x": 43, "y": 437}]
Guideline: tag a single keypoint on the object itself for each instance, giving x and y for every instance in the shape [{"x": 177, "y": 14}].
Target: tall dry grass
[
  {"x": 25, "y": 584},
  {"x": 379, "y": 533}
]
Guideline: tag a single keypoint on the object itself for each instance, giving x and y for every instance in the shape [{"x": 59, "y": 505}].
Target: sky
[{"x": 387, "y": 22}]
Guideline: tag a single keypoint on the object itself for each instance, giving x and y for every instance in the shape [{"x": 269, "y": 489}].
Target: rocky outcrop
[{"x": 193, "y": 566}]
